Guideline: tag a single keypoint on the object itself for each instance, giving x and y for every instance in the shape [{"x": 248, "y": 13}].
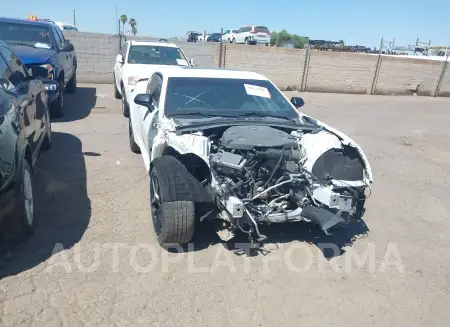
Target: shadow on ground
[
  {"x": 79, "y": 104},
  {"x": 62, "y": 206},
  {"x": 330, "y": 245}
]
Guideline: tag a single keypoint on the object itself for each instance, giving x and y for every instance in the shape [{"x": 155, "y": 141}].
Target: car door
[
  {"x": 226, "y": 36},
  {"x": 239, "y": 35},
  {"x": 9, "y": 127},
  {"x": 25, "y": 90},
  {"x": 63, "y": 58},
  {"x": 67, "y": 57},
  {"x": 118, "y": 67},
  {"x": 149, "y": 116}
]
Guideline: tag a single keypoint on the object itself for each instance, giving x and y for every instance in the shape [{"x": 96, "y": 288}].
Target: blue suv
[{"x": 42, "y": 45}]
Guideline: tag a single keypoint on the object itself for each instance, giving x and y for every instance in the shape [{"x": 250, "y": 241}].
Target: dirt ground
[{"x": 94, "y": 260}]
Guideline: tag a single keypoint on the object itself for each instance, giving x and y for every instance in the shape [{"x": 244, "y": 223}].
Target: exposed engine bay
[{"x": 263, "y": 174}]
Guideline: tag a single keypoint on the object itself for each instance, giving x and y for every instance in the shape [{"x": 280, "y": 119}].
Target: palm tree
[
  {"x": 123, "y": 19},
  {"x": 133, "y": 24}
]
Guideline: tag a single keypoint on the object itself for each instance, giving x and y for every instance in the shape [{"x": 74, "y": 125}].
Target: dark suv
[
  {"x": 24, "y": 129},
  {"x": 42, "y": 45}
]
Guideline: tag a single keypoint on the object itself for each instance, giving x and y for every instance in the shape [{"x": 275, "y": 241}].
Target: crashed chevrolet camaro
[{"x": 228, "y": 146}]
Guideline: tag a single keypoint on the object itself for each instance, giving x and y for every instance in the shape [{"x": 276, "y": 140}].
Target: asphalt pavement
[{"x": 94, "y": 260}]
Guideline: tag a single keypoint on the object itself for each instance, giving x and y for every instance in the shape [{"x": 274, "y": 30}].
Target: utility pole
[
  {"x": 74, "y": 24},
  {"x": 117, "y": 18}
]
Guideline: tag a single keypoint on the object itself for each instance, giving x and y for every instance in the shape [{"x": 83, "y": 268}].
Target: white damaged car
[{"x": 228, "y": 146}]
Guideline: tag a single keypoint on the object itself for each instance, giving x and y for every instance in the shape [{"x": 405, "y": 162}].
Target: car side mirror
[
  {"x": 297, "y": 102},
  {"x": 119, "y": 59},
  {"x": 67, "y": 47},
  {"x": 191, "y": 61},
  {"x": 144, "y": 99}
]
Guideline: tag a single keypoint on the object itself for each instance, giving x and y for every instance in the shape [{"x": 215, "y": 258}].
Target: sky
[{"x": 354, "y": 21}]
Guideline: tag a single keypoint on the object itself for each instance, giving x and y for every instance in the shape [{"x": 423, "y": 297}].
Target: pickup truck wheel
[
  {"x": 125, "y": 107},
  {"x": 72, "y": 85},
  {"x": 117, "y": 95},
  {"x": 57, "y": 106},
  {"x": 20, "y": 227},
  {"x": 173, "y": 221},
  {"x": 133, "y": 146}
]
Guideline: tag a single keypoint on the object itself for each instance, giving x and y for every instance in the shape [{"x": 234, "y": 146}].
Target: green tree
[
  {"x": 273, "y": 38},
  {"x": 123, "y": 19},
  {"x": 281, "y": 38},
  {"x": 299, "y": 41},
  {"x": 133, "y": 24},
  {"x": 341, "y": 43}
]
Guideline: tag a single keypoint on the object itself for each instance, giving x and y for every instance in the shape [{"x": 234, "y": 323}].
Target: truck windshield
[
  {"x": 36, "y": 36},
  {"x": 156, "y": 55}
]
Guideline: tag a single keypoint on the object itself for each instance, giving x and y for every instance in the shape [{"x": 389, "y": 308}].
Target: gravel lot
[{"x": 94, "y": 197}]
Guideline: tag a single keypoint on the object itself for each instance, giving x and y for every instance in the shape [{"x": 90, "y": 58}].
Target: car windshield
[
  {"x": 156, "y": 55},
  {"x": 225, "y": 97},
  {"x": 36, "y": 36}
]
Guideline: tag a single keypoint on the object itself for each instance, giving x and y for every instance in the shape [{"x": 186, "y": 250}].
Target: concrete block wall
[
  {"x": 323, "y": 71},
  {"x": 399, "y": 75},
  {"x": 445, "y": 86},
  {"x": 340, "y": 72},
  {"x": 96, "y": 55},
  {"x": 283, "y": 66}
]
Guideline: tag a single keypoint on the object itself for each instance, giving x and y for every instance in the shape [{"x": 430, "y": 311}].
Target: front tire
[
  {"x": 21, "y": 224},
  {"x": 117, "y": 94},
  {"x": 173, "y": 221},
  {"x": 57, "y": 107},
  {"x": 133, "y": 146},
  {"x": 125, "y": 107}
]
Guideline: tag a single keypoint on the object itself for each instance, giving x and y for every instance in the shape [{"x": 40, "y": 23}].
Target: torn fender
[
  {"x": 181, "y": 186},
  {"x": 346, "y": 141}
]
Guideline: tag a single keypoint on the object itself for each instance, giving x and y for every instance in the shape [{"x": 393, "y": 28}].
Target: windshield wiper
[
  {"x": 192, "y": 113},
  {"x": 23, "y": 44},
  {"x": 262, "y": 114}
]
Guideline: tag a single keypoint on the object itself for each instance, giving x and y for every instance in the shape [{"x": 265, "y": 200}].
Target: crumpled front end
[{"x": 268, "y": 175}]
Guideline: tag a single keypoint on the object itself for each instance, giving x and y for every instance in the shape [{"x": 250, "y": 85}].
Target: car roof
[
  {"x": 154, "y": 43},
  {"x": 24, "y": 21},
  {"x": 195, "y": 72}
]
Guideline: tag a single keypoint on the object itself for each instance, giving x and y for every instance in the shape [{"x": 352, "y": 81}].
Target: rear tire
[
  {"x": 133, "y": 146},
  {"x": 72, "y": 85},
  {"x": 173, "y": 221}
]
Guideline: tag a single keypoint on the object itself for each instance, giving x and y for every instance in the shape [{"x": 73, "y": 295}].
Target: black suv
[
  {"x": 42, "y": 45},
  {"x": 25, "y": 129}
]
